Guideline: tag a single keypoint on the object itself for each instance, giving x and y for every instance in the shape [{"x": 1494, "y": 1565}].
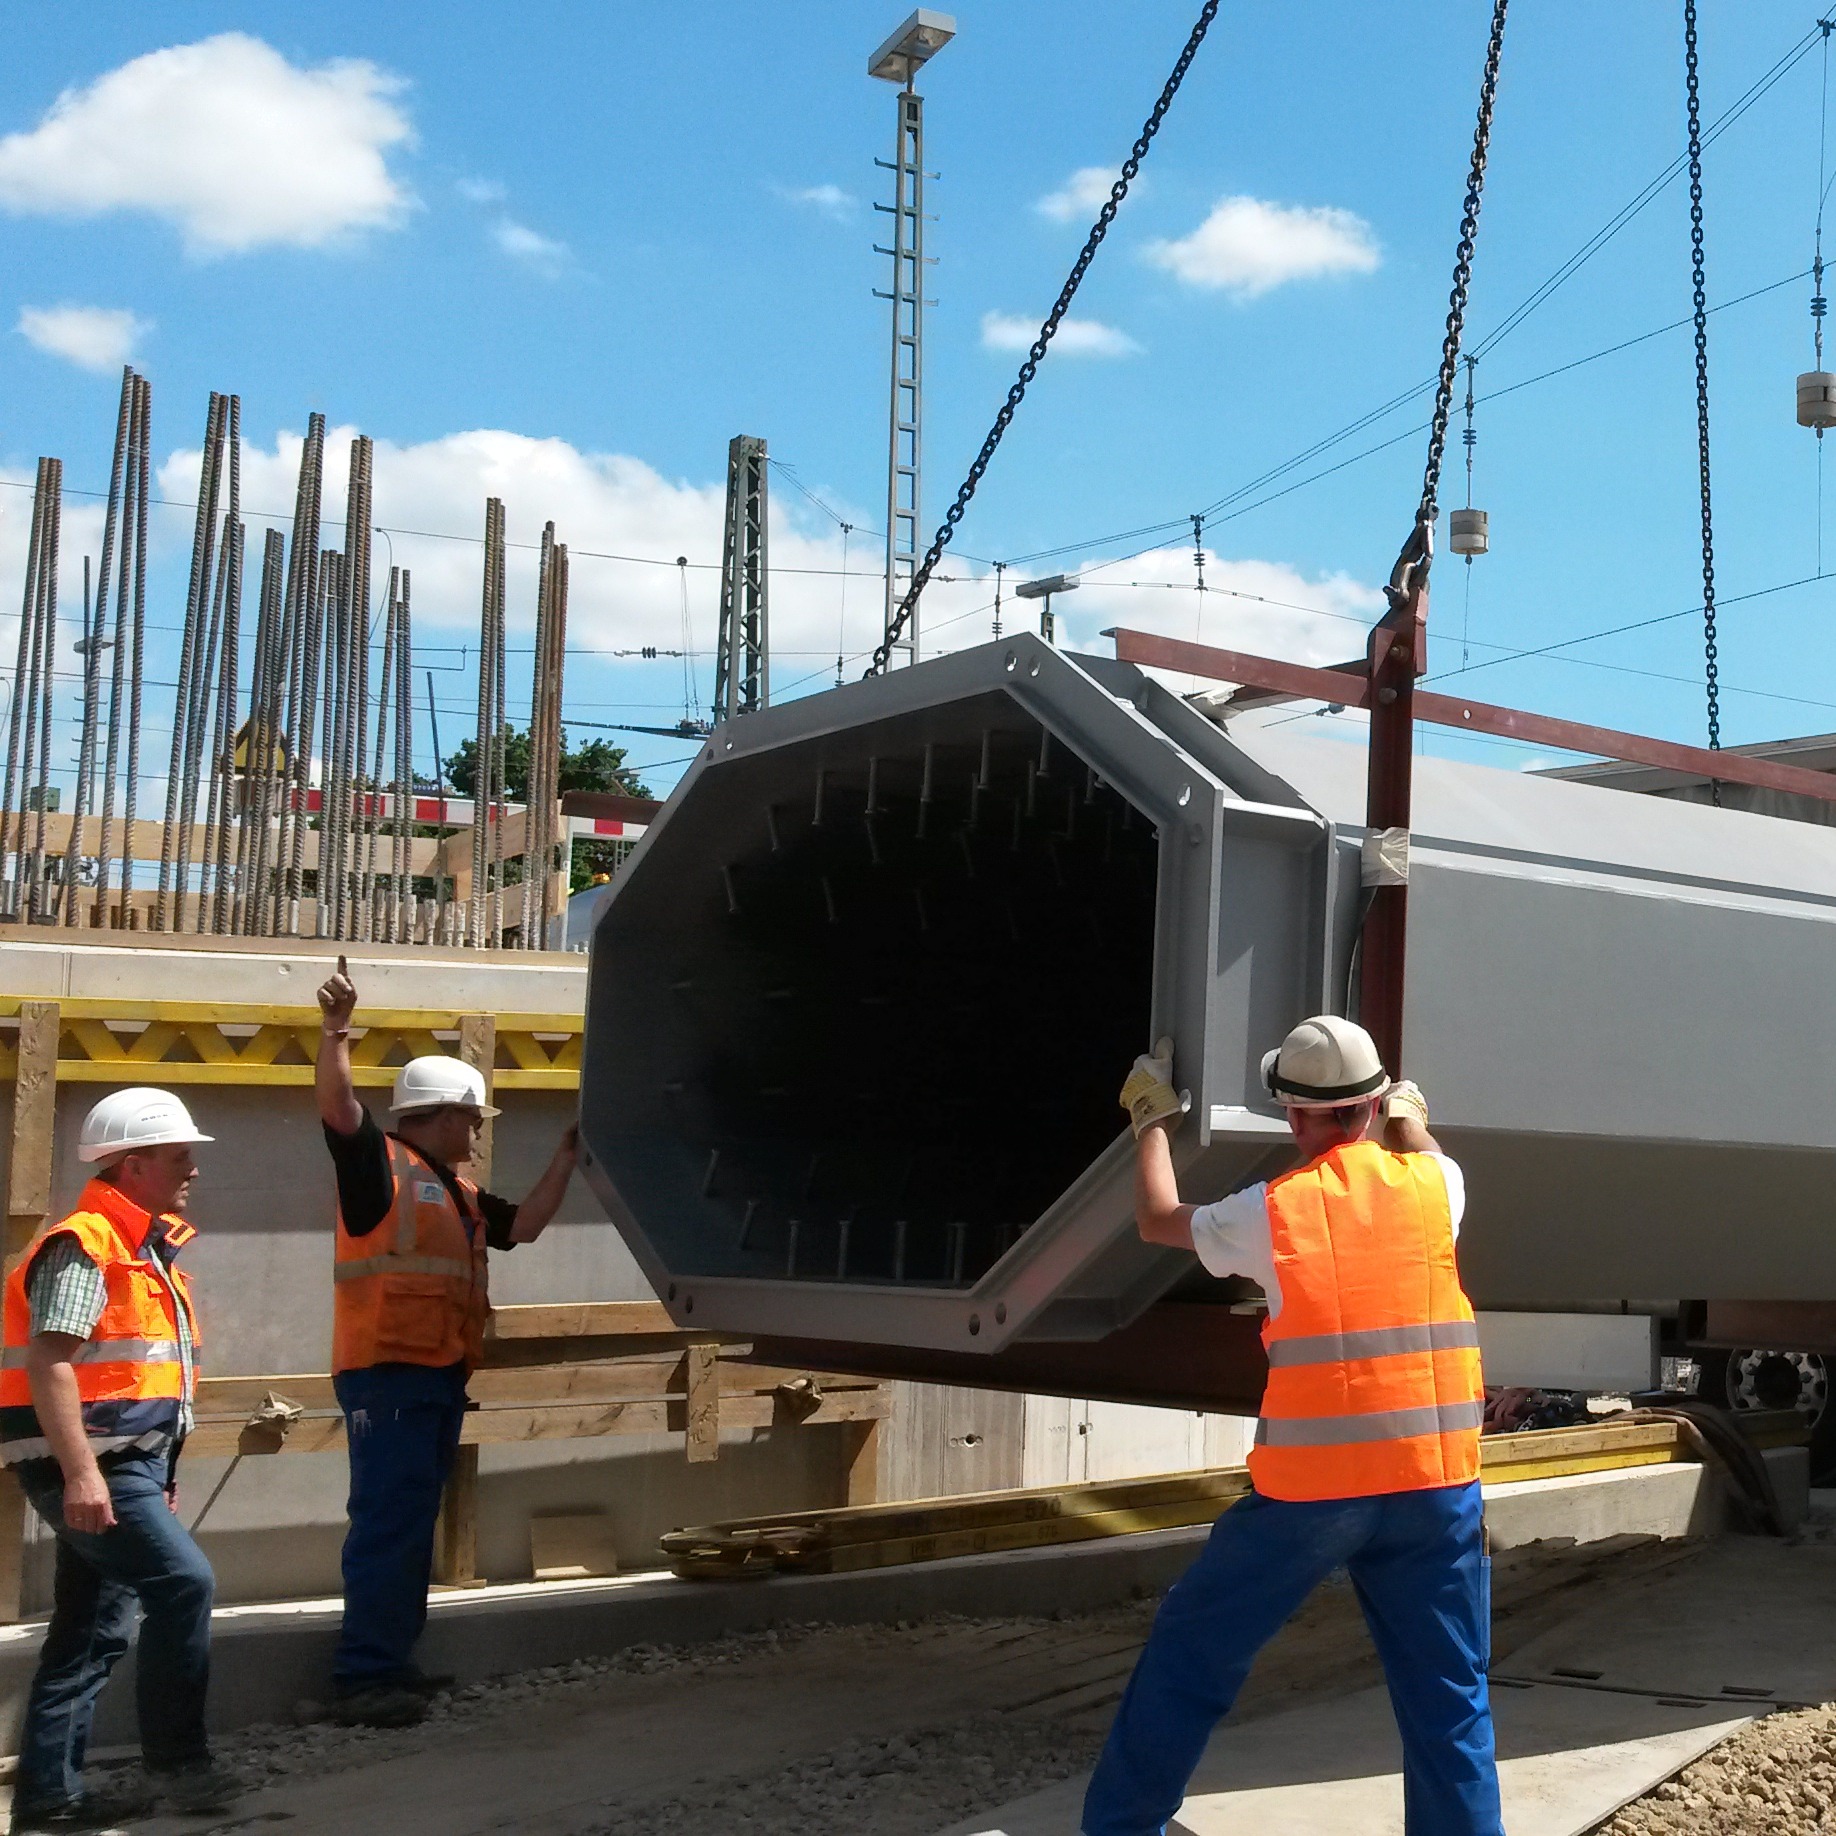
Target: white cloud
[
  {"x": 224, "y": 139},
  {"x": 481, "y": 191},
  {"x": 1082, "y": 195},
  {"x": 828, "y": 200},
  {"x": 96, "y": 337},
  {"x": 541, "y": 253},
  {"x": 1246, "y": 247},
  {"x": 603, "y": 504},
  {"x": 1006, "y": 331},
  {"x": 609, "y": 505},
  {"x": 1265, "y": 607}
]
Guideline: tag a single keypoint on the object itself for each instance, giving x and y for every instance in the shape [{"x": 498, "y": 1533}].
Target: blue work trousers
[
  {"x": 1417, "y": 1561},
  {"x": 147, "y": 1560},
  {"x": 402, "y": 1425}
]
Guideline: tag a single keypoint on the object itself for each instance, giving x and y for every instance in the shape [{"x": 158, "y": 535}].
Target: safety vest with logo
[
  {"x": 130, "y": 1374},
  {"x": 413, "y": 1290},
  {"x": 1374, "y": 1380}
]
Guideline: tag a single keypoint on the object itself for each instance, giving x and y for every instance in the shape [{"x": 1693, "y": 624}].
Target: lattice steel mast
[{"x": 898, "y": 60}]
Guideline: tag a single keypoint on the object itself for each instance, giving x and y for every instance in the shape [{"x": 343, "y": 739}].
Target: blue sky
[{"x": 564, "y": 258}]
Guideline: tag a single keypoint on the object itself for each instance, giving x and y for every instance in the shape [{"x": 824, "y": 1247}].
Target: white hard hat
[
  {"x": 126, "y": 1120},
  {"x": 1325, "y": 1063},
  {"x": 436, "y": 1081}
]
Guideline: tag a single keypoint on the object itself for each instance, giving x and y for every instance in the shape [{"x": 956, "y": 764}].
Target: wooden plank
[
  {"x": 29, "y": 1144},
  {"x": 29, "y": 1160},
  {"x": 635, "y": 1379},
  {"x": 701, "y": 1386},
  {"x": 580, "y": 1319},
  {"x": 1726, "y": 767},
  {"x": 257, "y": 1013},
  {"x": 862, "y": 1456},
  {"x": 478, "y": 1047},
  {"x": 456, "y": 1540}
]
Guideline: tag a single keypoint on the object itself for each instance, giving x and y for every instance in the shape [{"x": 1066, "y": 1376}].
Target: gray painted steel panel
[{"x": 850, "y": 1075}]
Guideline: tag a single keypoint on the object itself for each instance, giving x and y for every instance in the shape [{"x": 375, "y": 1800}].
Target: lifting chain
[
  {"x": 1034, "y": 357},
  {"x": 1711, "y": 665},
  {"x": 1418, "y": 552}
]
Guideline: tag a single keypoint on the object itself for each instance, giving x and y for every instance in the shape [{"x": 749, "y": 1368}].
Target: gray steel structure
[
  {"x": 742, "y": 656},
  {"x": 861, "y": 999}
]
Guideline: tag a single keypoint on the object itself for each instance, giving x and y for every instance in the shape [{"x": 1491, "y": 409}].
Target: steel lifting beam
[
  {"x": 1398, "y": 656},
  {"x": 1386, "y": 687},
  {"x": 1300, "y": 683}
]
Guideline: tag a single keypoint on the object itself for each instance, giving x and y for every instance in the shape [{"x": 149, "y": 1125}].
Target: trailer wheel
[{"x": 1776, "y": 1380}]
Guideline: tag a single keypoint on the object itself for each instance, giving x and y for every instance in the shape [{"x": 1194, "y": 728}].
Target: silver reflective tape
[
  {"x": 386, "y": 1264},
  {"x": 1378, "y": 1342},
  {"x": 37, "y": 1448},
  {"x": 1383, "y": 1425},
  {"x": 104, "y": 1351},
  {"x": 126, "y": 1351}
]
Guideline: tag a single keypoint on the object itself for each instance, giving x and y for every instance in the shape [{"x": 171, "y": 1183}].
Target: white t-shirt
[{"x": 1232, "y": 1237}]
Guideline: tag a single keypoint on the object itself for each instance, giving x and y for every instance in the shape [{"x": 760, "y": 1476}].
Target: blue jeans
[
  {"x": 147, "y": 1557},
  {"x": 402, "y": 1425},
  {"x": 1418, "y": 1563}
]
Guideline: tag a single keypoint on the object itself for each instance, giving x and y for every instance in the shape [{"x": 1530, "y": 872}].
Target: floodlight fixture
[
  {"x": 1044, "y": 589},
  {"x": 912, "y": 46}
]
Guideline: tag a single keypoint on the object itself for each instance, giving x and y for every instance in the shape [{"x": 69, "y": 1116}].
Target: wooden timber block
[
  {"x": 456, "y": 1535},
  {"x": 572, "y": 1546}
]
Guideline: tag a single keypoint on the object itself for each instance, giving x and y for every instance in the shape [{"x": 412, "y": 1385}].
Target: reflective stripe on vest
[
  {"x": 104, "y": 1351},
  {"x": 130, "y": 1372},
  {"x": 1384, "y": 1425},
  {"x": 413, "y": 1290},
  {"x": 1379, "y": 1342},
  {"x": 1374, "y": 1381}
]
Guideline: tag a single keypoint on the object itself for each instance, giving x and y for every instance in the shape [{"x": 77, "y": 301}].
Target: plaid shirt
[{"x": 67, "y": 1294}]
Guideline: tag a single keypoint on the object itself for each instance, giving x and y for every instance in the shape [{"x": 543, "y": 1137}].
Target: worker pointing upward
[
  {"x": 410, "y": 1304},
  {"x": 1367, "y": 1450}
]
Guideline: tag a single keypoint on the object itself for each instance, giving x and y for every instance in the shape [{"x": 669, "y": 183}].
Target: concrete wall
[{"x": 264, "y": 1206}]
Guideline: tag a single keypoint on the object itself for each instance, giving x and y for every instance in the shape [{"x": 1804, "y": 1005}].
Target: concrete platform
[
  {"x": 269, "y": 1657},
  {"x": 1567, "y": 1759}
]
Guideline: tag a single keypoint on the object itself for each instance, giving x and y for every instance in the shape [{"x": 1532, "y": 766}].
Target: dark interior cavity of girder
[{"x": 862, "y": 1033}]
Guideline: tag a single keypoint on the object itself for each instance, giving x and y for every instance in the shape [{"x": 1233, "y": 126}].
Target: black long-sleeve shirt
[{"x": 366, "y": 1186}]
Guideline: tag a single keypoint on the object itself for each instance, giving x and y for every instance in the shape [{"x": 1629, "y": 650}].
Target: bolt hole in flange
[{"x": 793, "y": 1029}]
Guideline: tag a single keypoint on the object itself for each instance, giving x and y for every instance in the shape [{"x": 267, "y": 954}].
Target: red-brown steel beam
[
  {"x": 1352, "y": 691},
  {"x": 608, "y": 806},
  {"x": 1398, "y": 655}
]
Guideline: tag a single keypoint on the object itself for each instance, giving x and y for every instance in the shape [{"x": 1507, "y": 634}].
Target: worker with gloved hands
[
  {"x": 96, "y": 1396},
  {"x": 1367, "y": 1450},
  {"x": 410, "y": 1304}
]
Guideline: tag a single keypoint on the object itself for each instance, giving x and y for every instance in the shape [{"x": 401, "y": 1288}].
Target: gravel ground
[
  {"x": 894, "y": 1730},
  {"x": 1776, "y": 1778},
  {"x": 907, "y": 1785}
]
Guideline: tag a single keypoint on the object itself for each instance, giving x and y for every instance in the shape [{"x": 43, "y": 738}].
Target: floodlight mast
[
  {"x": 1043, "y": 590},
  {"x": 898, "y": 60}
]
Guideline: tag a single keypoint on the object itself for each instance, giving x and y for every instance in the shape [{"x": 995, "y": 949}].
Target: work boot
[
  {"x": 428, "y": 1683},
  {"x": 98, "y": 1812},
  {"x": 383, "y": 1705},
  {"x": 196, "y": 1788}
]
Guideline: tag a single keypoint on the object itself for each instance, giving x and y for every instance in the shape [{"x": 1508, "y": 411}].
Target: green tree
[{"x": 597, "y": 766}]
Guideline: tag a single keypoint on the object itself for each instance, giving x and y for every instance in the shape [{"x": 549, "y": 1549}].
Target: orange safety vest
[
  {"x": 1374, "y": 1381},
  {"x": 414, "y": 1290},
  {"x": 130, "y": 1376}
]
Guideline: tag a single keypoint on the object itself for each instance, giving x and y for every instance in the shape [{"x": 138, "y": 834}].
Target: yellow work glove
[
  {"x": 1148, "y": 1095},
  {"x": 1405, "y": 1099}
]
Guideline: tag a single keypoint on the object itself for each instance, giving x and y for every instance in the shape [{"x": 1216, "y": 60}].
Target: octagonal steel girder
[{"x": 860, "y": 1001}]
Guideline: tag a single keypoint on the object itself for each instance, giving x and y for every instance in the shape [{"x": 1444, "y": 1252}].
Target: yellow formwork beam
[{"x": 232, "y": 1043}]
